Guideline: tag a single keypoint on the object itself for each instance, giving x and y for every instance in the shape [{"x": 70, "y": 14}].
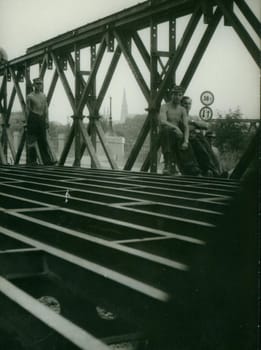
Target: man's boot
[
  {"x": 167, "y": 164},
  {"x": 174, "y": 168}
]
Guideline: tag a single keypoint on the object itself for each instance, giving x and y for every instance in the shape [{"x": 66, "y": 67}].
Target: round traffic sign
[
  {"x": 207, "y": 98},
  {"x": 206, "y": 113}
]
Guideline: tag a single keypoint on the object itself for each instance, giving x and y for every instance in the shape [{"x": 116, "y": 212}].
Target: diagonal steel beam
[
  {"x": 99, "y": 130},
  {"x": 2, "y": 155},
  {"x": 67, "y": 146},
  {"x": 247, "y": 12},
  {"x": 145, "y": 55},
  {"x": 201, "y": 48},
  {"x": 92, "y": 76},
  {"x": 241, "y": 31},
  {"x": 23, "y": 105},
  {"x": 142, "y": 49},
  {"x": 10, "y": 104},
  {"x": 107, "y": 151},
  {"x": 82, "y": 81},
  {"x": 10, "y": 143},
  {"x": 3, "y": 86},
  {"x": 65, "y": 83},
  {"x": 188, "y": 32},
  {"x": 191, "y": 26},
  {"x": 138, "y": 144},
  {"x": 20, "y": 148},
  {"x": 155, "y": 147},
  {"x": 43, "y": 66},
  {"x": 89, "y": 145},
  {"x": 250, "y": 154},
  {"x": 18, "y": 89},
  {"x": 133, "y": 66},
  {"x": 83, "y": 84},
  {"x": 52, "y": 86},
  {"x": 108, "y": 77}
]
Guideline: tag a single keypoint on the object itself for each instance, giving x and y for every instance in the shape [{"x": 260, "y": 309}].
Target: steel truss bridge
[{"x": 133, "y": 259}]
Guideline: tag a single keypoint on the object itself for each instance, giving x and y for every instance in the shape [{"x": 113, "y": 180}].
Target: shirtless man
[
  {"x": 37, "y": 112},
  {"x": 174, "y": 130}
]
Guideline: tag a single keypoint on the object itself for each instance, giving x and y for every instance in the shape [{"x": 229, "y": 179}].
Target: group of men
[
  {"x": 185, "y": 142},
  {"x": 185, "y": 148}
]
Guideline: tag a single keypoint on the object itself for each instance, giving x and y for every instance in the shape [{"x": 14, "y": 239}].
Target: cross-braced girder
[{"x": 116, "y": 35}]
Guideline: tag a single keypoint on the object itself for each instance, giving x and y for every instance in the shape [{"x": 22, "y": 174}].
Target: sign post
[
  {"x": 206, "y": 98},
  {"x": 206, "y": 113}
]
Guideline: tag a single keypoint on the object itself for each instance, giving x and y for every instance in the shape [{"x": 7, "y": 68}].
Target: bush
[{"x": 232, "y": 137}]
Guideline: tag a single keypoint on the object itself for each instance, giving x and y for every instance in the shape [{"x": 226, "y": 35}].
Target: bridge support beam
[{"x": 118, "y": 34}]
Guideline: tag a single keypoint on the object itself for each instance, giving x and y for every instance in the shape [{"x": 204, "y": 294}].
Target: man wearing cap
[
  {"x": 174, "y": 130},
  {"x": 37, "y": 123},
  {"x": 210, "y": 137}
]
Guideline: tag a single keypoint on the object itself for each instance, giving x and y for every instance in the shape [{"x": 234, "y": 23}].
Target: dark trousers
[
  {"x": 185, "y": 159},
  {"x": 36, "y": 132},
  {"x": 204, "y": 154}
]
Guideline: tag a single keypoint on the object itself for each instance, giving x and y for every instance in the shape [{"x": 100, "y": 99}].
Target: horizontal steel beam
[
  {"x": 133, "y": 18},
  {"x": 66, "y": 328}
]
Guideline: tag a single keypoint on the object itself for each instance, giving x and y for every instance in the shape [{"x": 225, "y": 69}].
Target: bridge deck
[{"x": 129, "y": 242}]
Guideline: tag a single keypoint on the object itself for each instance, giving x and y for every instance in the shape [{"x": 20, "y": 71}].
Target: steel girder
[
  {"x": 128, "y": 241},
  {"x": 152, "y": 250},
  {"x": 123, "y": 28}
]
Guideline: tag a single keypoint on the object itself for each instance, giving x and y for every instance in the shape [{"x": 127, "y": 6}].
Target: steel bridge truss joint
[
  {"x": 77, "y": 116},
  {"x": 94, "y": 116}
]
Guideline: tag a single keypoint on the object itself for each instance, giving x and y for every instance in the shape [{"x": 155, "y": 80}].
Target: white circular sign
[
  {"x": 207, "y": 98},
  {"x": 206, "y": 113}
]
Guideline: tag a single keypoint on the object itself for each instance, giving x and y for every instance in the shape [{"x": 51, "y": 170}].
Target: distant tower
[
  {"x": 110, "y": 131},
  {"x": 124, "y": 108}
]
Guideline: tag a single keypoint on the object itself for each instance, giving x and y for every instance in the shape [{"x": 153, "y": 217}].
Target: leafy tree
[
  {"x": 231, "y": 133},
  {"x": 232, "y": 137}
]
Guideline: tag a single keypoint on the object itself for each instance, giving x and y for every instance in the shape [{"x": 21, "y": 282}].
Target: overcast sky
[{"x": 226, "y": 69}]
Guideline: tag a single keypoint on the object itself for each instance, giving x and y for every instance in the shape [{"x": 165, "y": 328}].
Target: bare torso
[
  {"x": 172, "y": 114},
  {"x": 175, "y": 117},
  {"x": 37, "y": 103}
]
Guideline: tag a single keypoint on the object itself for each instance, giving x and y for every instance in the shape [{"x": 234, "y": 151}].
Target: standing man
[
  {"x": 37, "y": 123},
  {"x": 174, "y": 130},
  {"x": 211, "y": 136}
]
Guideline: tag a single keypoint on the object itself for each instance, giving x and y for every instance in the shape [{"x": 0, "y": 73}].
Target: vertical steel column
[
  {"x": 229, "y": 5},
  {"x": 28, "y": 89},
  {"x": 153, "y": 92},
  {"x": 172, "y": 43},
  {"x": 16, "y": 79},
  {"x": 77, "y": 132},
  {"x": 3, "y": 139},
  {"x": 93, "y": 115}
]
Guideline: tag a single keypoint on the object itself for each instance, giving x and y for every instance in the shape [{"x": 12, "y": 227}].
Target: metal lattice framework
[{"x": 117, "y": 34}]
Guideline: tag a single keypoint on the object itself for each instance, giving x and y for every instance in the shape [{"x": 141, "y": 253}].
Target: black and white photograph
[{"x": 130, "y": 174}]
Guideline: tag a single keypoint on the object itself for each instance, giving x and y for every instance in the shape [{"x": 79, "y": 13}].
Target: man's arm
[
  {"x": 199, "y": 124},
  {"x": 46, "y": 113},
  {"x": 185, "y": 125},
  {"x": 28, "y": 104}
]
